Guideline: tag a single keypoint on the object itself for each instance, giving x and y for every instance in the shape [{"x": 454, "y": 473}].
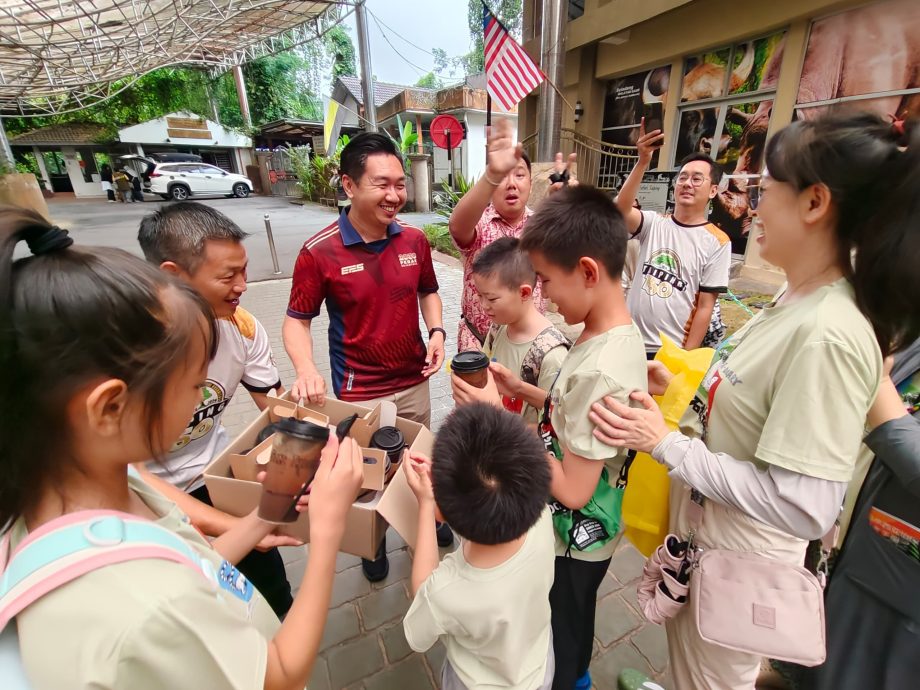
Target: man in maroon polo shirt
[{"x": 374, "y": 273}]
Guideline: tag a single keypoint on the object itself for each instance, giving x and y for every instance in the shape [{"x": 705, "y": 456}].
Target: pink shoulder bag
[
  {"x": 756, "y": 604},
  {"x": 742, "y": 601}
]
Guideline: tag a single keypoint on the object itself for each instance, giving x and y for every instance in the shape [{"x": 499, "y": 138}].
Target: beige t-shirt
[
  {"x": 496, "y": 621},
  {"x": 147, "y": 624},
  {"x": 511, "y": 354},
  {"x": 612, "y": 363},
  {"x": 793, "y": 386}
]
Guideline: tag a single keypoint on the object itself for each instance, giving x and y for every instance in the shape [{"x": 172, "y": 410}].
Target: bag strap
[
  {"x": 695, "y": 518},
  {"x": 73, "y": 545},
  {"x": 489, "y": 343},
  {"x": 548, "y": 339}
]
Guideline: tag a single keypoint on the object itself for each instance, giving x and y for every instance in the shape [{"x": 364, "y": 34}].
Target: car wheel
[
  {"x": 240, "y": 190},
  {"x": 179, "y": 192}
]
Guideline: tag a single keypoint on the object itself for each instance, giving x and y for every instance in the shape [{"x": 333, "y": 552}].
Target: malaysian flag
[{"x": 510, "y": 73}]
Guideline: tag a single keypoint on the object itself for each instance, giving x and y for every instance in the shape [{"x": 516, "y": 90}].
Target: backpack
[
  {"x": 66, "y": 548},
  {"x": 548, "y": 339}
]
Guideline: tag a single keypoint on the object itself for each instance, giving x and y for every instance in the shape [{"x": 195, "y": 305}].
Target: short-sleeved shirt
[
  {"x": 511, "y": 355},
  {"x": 676, "y": 263},
  {"x": 612, "y": 363},
  {"x": 149, "y": 624},
  {"x": 244, "y": 356},
  {"x": 490, "y": 227},
  {"x": 495, "y": 622},
  {"x": 792, "y": 387},
  {"x": 371, "y": 293}
]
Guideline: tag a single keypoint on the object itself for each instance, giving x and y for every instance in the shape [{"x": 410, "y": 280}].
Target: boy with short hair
[
  {"x": 489, "y": 479},
  {"x": 577, "y": 242},
  {"x": 521, "y": 339}
]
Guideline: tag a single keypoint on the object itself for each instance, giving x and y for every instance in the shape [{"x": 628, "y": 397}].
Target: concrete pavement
[
  {"x": 364, "y": 647},
  {"x": 96, "y": 222}
]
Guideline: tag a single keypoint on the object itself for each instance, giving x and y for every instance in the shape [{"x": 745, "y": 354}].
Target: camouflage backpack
[{"x": 548, "y": 339}]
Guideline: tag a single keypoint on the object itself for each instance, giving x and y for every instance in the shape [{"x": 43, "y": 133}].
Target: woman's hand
[{"x": 621, "y": 426}]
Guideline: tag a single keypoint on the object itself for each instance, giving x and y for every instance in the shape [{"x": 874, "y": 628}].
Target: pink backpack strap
[{"x": 73, "y": 545}]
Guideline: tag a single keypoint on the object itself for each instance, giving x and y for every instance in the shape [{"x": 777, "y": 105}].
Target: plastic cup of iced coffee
[
  {"x": 296, "y": 449},
  {"x": 472, "y": 366}
]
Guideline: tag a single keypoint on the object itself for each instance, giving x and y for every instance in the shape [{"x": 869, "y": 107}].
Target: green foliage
[
  {"x": 303, "y": 168},
  {"x": 430, "y": 81},
  {"x": 439, "y": 239},
  {"x": 342, "y": 50},
  {"x": 509, "y": 12},
  {"x": 318, "y": 176},
  {"x": 447, "y": 199}
]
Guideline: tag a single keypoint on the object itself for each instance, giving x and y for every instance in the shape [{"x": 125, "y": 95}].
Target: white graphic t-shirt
[
  {"x": 244, "y": 355},
  {"x": 676, "y": 263}
]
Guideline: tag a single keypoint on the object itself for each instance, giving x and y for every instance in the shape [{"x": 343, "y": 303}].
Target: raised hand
[
  {"x": 564, "y": 166},
  {"x": 648, "y": 142},
  {"x": 504, "y": 153}
]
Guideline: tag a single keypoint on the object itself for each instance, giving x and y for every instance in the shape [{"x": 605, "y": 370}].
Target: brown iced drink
[
  {"x": 296, "y": 450},
  {"x": 472, "y": 366}
]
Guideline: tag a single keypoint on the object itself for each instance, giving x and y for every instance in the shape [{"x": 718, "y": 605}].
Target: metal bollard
[{"x": 271, "y": 244}]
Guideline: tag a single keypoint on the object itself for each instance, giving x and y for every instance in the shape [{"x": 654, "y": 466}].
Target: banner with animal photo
[
  {"x": 733, "y": 132},
  {"x": 871, "y": 51},
  {"x": 631, "y": 98}
]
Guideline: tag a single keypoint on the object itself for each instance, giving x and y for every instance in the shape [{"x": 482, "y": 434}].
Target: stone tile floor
[{"x": 363, "y": 647}]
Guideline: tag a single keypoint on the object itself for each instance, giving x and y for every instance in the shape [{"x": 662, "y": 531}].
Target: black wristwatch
[{"x": 437, "y": 329}]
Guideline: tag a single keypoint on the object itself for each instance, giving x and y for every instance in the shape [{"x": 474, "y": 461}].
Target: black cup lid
[
  {"x": 469, "y": 361},
  {"x": 303, "y": 429},
  {"x": 388, "y": 438}
]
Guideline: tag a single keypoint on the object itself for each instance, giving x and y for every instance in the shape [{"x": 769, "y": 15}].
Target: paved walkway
[{"x": 364, "y": 647}]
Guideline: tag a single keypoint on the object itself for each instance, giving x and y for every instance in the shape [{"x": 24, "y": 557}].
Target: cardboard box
[{"x": 231, "y": 482}]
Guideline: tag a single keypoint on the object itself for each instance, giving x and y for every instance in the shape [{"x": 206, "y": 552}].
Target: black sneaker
[
  {"x": 445, "y": 534},
  {"x": 377, "y": 569}
]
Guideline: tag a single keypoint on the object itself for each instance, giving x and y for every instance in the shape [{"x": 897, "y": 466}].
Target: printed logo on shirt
[
  {"x": 230, "y": 579},
  {"x": 354, "y": 268},
  {"x": 214, "y": 401},
  {"x": 406, "y": 260},
  {"x": 662, "y": 274}
]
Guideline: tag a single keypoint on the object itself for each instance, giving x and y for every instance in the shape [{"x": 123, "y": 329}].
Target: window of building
[
  {"x": 722, "y": 93},
  {"x": 848, "y": 68}
]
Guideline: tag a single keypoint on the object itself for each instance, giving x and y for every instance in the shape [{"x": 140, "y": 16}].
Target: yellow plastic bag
[{"x": 645, "y": 502}]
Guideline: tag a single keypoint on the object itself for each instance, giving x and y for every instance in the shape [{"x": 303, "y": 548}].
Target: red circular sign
[{"x": 443, "y": 124}]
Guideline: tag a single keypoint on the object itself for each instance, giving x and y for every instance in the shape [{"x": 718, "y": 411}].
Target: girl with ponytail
[
  {"x": 102, "y": 359},
  {"x": 772, "y": 438}
]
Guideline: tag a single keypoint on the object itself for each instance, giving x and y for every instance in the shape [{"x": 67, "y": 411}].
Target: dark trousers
[
  {"x": 573, "y": 599},
  {"x": 264, "y": 569},
  {"x": 110, "y": 194}
]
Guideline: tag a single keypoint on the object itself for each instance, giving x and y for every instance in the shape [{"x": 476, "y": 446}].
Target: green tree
[
  {"x": 340, "y": 48},
  {"x": 509, "y": 12},
  {"x": 430, "y": 81}
]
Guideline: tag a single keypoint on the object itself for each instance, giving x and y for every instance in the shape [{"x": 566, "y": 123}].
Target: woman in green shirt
[{"x": 772, "y": 437}]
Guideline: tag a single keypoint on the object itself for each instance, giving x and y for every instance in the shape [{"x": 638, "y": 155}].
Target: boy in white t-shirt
[
  {"x": 205, "y": 248},
  {"x": 521, "y": 339},
  {"x": 488, "y": 600}
]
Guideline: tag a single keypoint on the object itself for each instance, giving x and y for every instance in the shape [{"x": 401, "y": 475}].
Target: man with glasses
[
  {"x": 374, "y": 274},
  {"x": 684, "y": 260}
]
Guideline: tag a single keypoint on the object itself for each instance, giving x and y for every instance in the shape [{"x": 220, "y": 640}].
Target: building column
[
  {"x": 42, "y": 168},
  {"x": 787, "y": 87},
  {"x": 671, "y": 115},
  {"x": 367, "y": 74},
  {"x": 241, "y": 94},
  {"x": 549, "y": 109},
  {"x": 418, "y": 128},
  {"x": 6, "y": 153}
]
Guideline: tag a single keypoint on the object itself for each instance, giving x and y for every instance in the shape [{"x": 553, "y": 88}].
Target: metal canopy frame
[{"x": 58, "y": 56}]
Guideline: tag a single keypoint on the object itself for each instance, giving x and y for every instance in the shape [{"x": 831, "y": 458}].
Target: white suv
[{"x": 181, "y": 180}]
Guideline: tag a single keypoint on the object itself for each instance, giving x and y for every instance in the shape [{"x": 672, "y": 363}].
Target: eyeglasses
[
  {"x": 753, "y": 192},
  {"x": 694, "y": 180}
]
